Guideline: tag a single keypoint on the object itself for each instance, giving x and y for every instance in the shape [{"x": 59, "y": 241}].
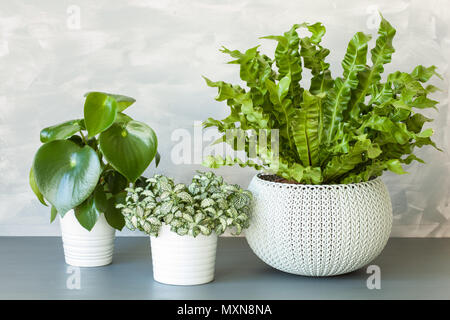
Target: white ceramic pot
[
  {"x": 87, "y": 249},
  {"x": 183, "y": 260},
  {"x": 319, "y": 230}
]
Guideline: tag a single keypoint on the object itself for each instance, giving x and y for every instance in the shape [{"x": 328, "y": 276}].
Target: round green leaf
[
  {"x": 113, "y": 215},
  {"x": 88, "y": 211},
  {"x": 66, "y": 173},
  {"x": 123, "y": 102},
  {"x": 61, "y": 131},
  {"x": 129, "y": 147},
  {"x": 35, "y": 188},
  {"x": 100, "y": 112}
]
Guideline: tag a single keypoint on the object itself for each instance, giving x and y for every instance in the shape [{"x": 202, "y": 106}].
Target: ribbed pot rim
[{"x": 369, "y": 183}]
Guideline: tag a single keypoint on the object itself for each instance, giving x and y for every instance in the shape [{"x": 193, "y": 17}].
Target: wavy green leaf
[
  {"x": 357, "y": 127},
  {"x": 381, "y": 55},
  {"x": 306, "y": 126},
  {"x": 339, "y": 96},
  {"x": 288, "y": 61}
]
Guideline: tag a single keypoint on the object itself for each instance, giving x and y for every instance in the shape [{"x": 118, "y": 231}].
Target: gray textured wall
[{"x": 156, "y": 51}]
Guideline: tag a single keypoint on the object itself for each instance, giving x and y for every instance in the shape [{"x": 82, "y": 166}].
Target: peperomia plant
[
  {"x": 208, "y": 204},
  {"x": 89, "y": 172},
  {"x": 343, "y": 130}
]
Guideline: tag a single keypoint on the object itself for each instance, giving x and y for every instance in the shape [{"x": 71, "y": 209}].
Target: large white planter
[
  {"x": 87, "y": 249},
  {"x": 319, "y": 230},
  {"x": 183, "y": 260}
]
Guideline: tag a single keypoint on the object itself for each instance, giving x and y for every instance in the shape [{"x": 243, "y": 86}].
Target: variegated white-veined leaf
[
  {"x": 232, "y": 212},
  {"x": 188, "y": 217},
  {"x": 165, "y": 185},
  {"x": 157, "y": 210},
  {"x": 207, "y": 203},
  {"x": 195, "y": 231},
  {"x": 182, "y": 231},
  {"x": 165, "y": 195},
  {"x": 175, "y": 223},
  {"x": 139, "y": 211},
  {"x": 223, "y": 222},
  {"x": 219, "y": 229},
  {"x": 230, "y": 221},
  {"x": 154, "y": 221},
  {"x": 179, "y": 187},
  {"x": 230, "y": 188},
  {"x": 134, "y": 221},
  {"x": 168, "y": 218},
  {"x": 150, "y": 205},
  {"x": 190, "y": 210},
  {"x": 147, "y": 227},
  {"x": 184, "y": 196},
  {"x": 166, "y": 206},
  {"x": 210, "y": 210},
  {"x": 129, "y": 225},
  {"x": 240, "y": 200},
  {"x": 222, "y": 203},
  {"x": 220, "y": 212},
  {"x": 127, "y": 211},
  {"x": 198, "y": 217},
  {"x": 178, "y": 214},
  {"x": 193, "y": 189},
  {"x": 204, "y": 230},
  {"x": 242, "y": 217}
]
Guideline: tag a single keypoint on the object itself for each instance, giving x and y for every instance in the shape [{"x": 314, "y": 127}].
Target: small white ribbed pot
[
  {"x": 84, "y": 248},
  {"x": 183, "y": 260},
  {"x": 319, "y": 230}
]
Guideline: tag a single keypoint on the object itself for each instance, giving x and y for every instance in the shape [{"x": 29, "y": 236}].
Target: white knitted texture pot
[
  {"x": 319, "y": 230},
  {"x": 183, "y": 260},
  {"x": 83, "y": 248}
]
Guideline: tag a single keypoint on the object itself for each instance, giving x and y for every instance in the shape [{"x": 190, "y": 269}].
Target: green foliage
[
  {"x": 208, "y": 204},
  {"x": 134, "y": 139},
  {"x": 90, "y": 174},
  {"x": 343, "y": 130}
]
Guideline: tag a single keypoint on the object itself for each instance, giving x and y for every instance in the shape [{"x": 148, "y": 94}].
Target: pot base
[{"x": 87, "y": 249}]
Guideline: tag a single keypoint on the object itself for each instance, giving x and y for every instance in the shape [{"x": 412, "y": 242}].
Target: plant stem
[{"x": 83, "y": 137}]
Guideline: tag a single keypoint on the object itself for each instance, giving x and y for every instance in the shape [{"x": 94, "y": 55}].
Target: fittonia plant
[
  {"x": 208, "y": 204},
  {"x": 342, "y": 130}
]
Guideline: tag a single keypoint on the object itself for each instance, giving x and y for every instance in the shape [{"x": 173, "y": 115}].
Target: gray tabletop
[{"x": 34, "y": 268}]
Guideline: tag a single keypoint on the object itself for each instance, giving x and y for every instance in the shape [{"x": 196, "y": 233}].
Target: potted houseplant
[
  {"x": 184, "y": 221},
  {"x": 321, "y": 208},
  {"x": 82, "y": 170}
]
